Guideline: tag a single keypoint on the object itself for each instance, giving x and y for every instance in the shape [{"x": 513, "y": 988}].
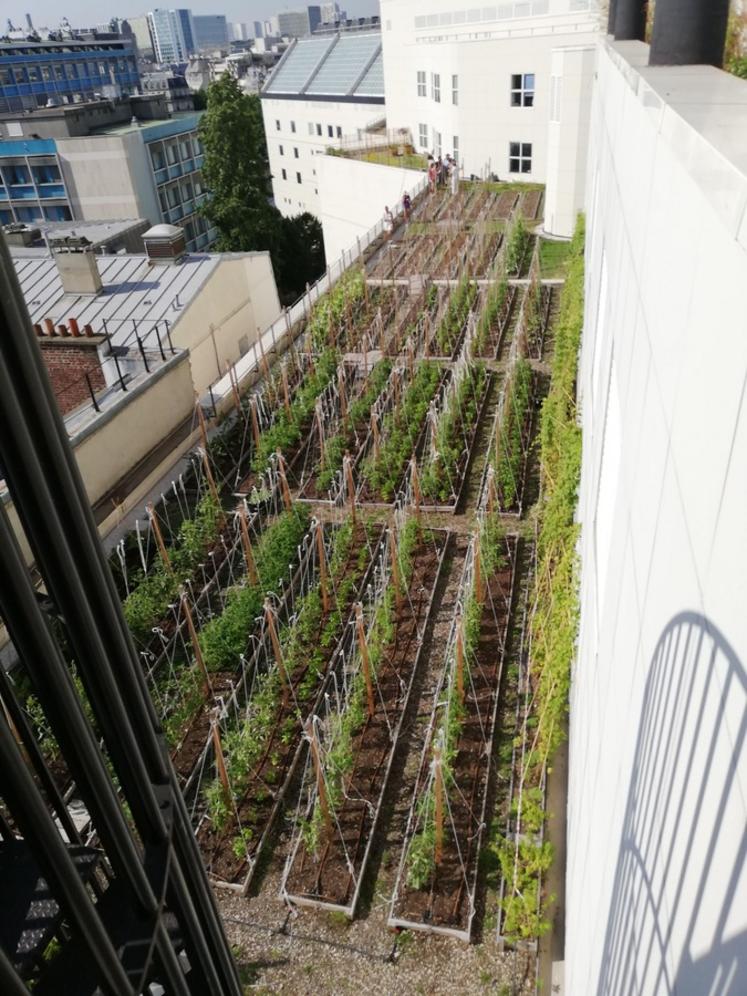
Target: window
[
  {"x": 280, "y": 150},
  {"x": 284, "y": 174},
  {"x": 455, "y": 90},
  {"x": 277, "y": 126},
  {"x": 423, "y": 136},
  {"x": 330, "y": 131},
  {"x": 339, "y": 132},
  {"x": 295, "y": 153},
  {"x": 421, "y": 83},
  {"x": 520, "y": 157},
  {"x": 319, "y": 130},
  {"x": 522, "y": 90},
  {"x": 436, "y": 143},
  {"x": 455, "y": 146},
  {"x": 311, "y": 128},
  {"x": 293, "y": 127},
  {"x": 436, "y": 87},
  {"x": 298, "y": 177}
]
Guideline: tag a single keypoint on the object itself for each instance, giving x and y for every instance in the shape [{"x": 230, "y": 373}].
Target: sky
[{"x": 84, "y": 13}]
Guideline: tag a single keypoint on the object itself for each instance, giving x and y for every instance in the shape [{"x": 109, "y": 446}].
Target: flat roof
[
  {"x": 135, "y": 290},
  {"x": 97, "y": 232},
  {"x": 178, "y": 122},
  {"x": 342, "y": 66}
]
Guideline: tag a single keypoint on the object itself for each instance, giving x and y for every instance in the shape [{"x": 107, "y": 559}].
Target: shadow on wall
[{"x": 677, "y": 918}]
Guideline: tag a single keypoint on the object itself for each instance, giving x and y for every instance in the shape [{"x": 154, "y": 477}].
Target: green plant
[
  {"x": 517, "y": 244},
  {"x": 452, "y": 324},
  {"x": 492, "y": 309},
  {"x": 330, "y": 311},
  {"x": 509, "y": 460}
]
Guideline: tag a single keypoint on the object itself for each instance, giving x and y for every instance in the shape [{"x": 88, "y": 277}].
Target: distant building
[
  {"x": 99, "y": 161},
  {"x": 33, "y": 74},
  {"x": 175, "y": 88},
  {"x": 258, "y": 29},
  {"x": 294, "y": 23},
  {"x": 211, "y": 32},
  {"x": 139, "y": 29},
  {"x": 240, "y": 31},
  {"x": 173, "y": 34},
  {"x": 324, "y": 88},
  {"x": 331, "y": 13},
  {"x": 315, "y": 17}
]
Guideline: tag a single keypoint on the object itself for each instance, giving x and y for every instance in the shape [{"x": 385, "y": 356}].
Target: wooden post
[
  {"x": 492, "y": 497},
  {"x": 396, "y": 578},
  {"x": 159, "y": 537},
  {"x": 196, "y": 646},
  {"x": 286, "y": 393},
  {"x": 287, "y": 501},
  {"x": 365, "y": 660},
  {"x": 234, "y": 387},
  {"x": 255, "y": 421},
  {"x": 439, "y": 814},
  {"x": 276, "y": 648},
  {"x": 210, "y": 479},
  {"x": 478, "y": 571},
  {"x": 347, "y": 465},
  {"x": 460, "y": 657},
  {"x": 321, "y": 788},
  {"x": 375, "y": 431},
  {"x": 341, "y": 392},
  {"x": 263, "y": 359},
  {"x": 320, "y": 428},
  {"x": 246, "y": 543},
  {"x": 416, "y": 493},
  {"x": 322, "y": 567},
  {"x": 220, "y": 760}
]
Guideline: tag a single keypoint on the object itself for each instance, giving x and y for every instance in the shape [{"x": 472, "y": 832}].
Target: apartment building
[
  {"x": 33, "y": 74},
  {"x": 211, "y": 32},
  {"x": 324, "y": 89},
  {"x": 478, "y": 82},
  {"x": 172, "y": 33},
  {"x": 101, "y": 162}
]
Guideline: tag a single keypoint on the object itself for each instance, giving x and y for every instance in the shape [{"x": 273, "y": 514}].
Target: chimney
[
  {"x": 689, "y": 32},
  {"x": 164, "y": 244},
  {"x": 76, "y": 264}
]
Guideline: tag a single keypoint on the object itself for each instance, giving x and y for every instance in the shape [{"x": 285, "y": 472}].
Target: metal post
[
  {"x": 91, "y": 392},
  {"x": 142, "y": 352},
  {"x": 119, "y": 372},
  {"x": 167, "y": 323},
  {"x": 160, "y": 345},
  {"x": 689, "y": 32}
]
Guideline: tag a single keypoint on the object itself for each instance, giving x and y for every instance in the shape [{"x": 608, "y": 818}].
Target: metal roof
[
  {"x": 135, "y": 292},
  {"x": 342, "y": 65}
]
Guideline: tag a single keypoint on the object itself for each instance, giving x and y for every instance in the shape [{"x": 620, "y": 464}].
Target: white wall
[
  {"x": 656, "y": 880},
  {"x": 353, "y": 196},
  {"x": 484, "y": 50},
  {"x": 296, "y": 144}
]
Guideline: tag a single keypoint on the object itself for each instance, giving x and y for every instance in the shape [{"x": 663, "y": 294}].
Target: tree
[
  {"x": 199, "y": 99},
  {"x": 237, "y": 175}
]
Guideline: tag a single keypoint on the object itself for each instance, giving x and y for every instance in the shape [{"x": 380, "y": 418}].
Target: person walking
[
  {"x": 432, "y": 177},
  {"x": 406, "y": 206},
  {"x": 454, "y": 176},
  {"x": 388, "y": 222}
]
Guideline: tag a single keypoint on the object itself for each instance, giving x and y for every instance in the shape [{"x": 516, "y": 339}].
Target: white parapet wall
[
  {"x": 353, "y": 196},
  {"x": 657, "y": 806}
]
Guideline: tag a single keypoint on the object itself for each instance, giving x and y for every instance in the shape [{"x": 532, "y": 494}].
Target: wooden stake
[
  {"x": 255, "y": 421},
  {"x": 210, "y": 479},
  {"x": 246, "y": 543},
  {"x": 159, "y": 537},
  {"x": 350, "y": 484},
  {"x": 460, "y": 658},
  {"x": 478, "y": 572},
  {"x": 375, "y": 431},
  {"x": 286, "y": 393},
  {"x": 439, "y": 815},
  {"x": 365, "y": 661},
  {"x": 322, "y": 567},
  {"x": 320, "y": 428},
  {"x": 341, "y": 392},
  {"x": 208, "y": 688},
  {"x": 415, "y": 484},
  {"x": 287, "y": 501},
  {"x": 234, "y": 387},
  {"x": 492, "y": 497},
  {"x": 276, "y": 648},
  {"x": 321, "y": 788},
  {"x": 220, "y": 760},
  {"x": 395, "y": 569},
  {"x": 201, "y": 421}
]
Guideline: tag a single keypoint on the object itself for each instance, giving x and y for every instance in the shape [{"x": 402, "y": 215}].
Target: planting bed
[
  {"x": 498, "y": 306},
  {"x": 435, "y": 891},
  {"x": 328, "y": 859},
  {"x": 507, "y": 468}
]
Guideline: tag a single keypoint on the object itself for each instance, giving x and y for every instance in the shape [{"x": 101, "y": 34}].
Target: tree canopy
[{"x": 237, "y": 175}]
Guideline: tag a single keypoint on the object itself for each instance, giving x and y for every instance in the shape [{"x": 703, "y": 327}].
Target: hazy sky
[{"x": 84, "y": 13}]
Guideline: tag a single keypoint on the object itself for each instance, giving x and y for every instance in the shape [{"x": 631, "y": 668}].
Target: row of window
[
  {"x": 519, "y": 153},
  {"x": 333, "y": 131},
  {"x": 171, "y": 153},
  {"x": 180, "y": 193},
  {"x": 284, "y": 174},
  {"x": 521, "y": 93},
  {"x": 50, "y": 212},
  {"x": 63, "y": 71},
  {"x": 19, "y": 175}
]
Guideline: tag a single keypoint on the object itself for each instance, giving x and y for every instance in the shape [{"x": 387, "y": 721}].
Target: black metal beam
[
  {"x": 630, "y": 19},
  {"x": 689, "y": 32},
  {"x": 50, "y": 498}
]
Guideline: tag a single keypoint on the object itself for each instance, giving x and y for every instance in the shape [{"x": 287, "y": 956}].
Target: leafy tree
[
  {"x": 237, "y": 174},
  {"x": 199, "y": 98}
]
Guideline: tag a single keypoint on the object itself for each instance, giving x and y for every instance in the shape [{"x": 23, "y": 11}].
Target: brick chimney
[{"x": 76, "y": 264}]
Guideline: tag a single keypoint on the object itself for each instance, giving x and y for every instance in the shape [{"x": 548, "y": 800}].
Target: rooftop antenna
[{"x": 29, "y": 23}]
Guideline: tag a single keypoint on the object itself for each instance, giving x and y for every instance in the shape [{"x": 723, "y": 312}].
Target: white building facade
[
  {"x": 324, "y": 91},
  {"x": 478, "y": 82}
]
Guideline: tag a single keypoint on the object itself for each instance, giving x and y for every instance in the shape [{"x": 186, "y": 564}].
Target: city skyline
[{"x": 81, "y": 13}]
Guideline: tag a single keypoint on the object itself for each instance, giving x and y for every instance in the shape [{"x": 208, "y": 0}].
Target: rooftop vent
[
  {"x": 164, "y": 243},
  {"x": 76, "y": 264},
  {"x": 19, "y": 234}
]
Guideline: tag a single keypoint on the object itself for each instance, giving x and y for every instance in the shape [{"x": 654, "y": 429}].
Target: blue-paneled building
[
  {"x": 32, "y": 185},
  {"x": 64, "y": 72}
]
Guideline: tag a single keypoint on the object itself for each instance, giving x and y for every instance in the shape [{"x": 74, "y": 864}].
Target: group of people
[
  {"x": 443, "y": 171},
  {"x": 440, "y": 173}
]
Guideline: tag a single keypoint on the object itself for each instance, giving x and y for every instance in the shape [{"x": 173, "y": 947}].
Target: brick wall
[{"x": 68, "y": 360}]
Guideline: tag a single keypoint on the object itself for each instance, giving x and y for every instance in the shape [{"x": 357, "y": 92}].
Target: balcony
[
  {"x": 22, "y": 192},
  {"x": 51, "y": 190}
]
